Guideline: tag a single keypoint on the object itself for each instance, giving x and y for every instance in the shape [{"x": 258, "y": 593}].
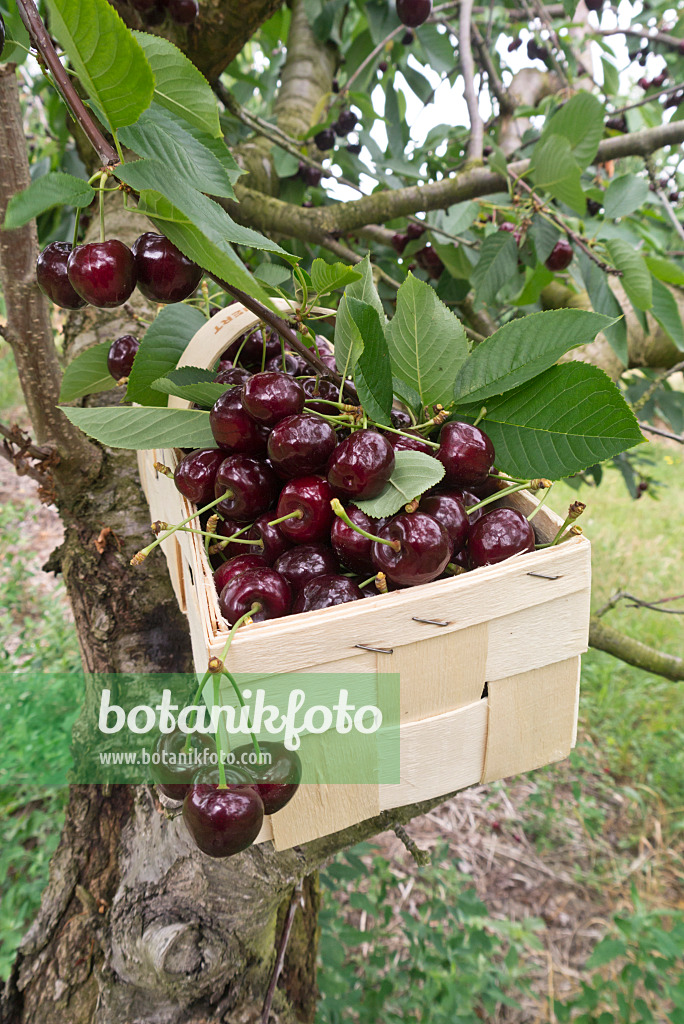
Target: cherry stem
[
  {"x": 241, "y": 699},
  {"x": 499, "y": 494},
  {"x": 142, "y": 555},
  {"x": 404, "y": 433},
  {"x": 371, "y": 579},
  {"x": 481, "y": 416},
  {"x": 234, "y": 539},
  {"x": 103, "y": 178},
  {"x": 236, "y": 625},
  {"x": 336, "y": 506},
  {"x": 542, "y": 502},
  {"x": 297, "y": 514},
  {"x": 454, "y": 569},
  {"x": 221, "y": 766}
]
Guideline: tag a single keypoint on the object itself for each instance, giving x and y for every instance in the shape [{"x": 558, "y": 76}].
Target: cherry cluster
[
  {"x": 560, "y": 256},
  {"x": 288, "y": 469},
  {"x": 225, "y": 819},
  {"x": 104, "y": 274}
]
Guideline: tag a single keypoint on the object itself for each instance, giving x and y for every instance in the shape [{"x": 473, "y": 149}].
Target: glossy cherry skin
[
  {"x": 195, "y": 474},
  {"x": 320, "y": 388},
  {"x": 311, "y": 495},
  {"x": 164, "y": 273},
  {"x": 561, "y": 255},
  {"x": 253, "y": 486},
  {"x": 413, "y": 12},
  {"x": 223, "y": 821},
  {"x": 450, "y": 512},
  {"x": 103, "y": 273},
  {"x": 234, "y": 430},
  {"x": 325, "y": 139},
  {"x": 263, "y": 586},
  {"x": 121, "y": 355},
  {"x": 278, "y": 781},
  {"x": 252, "y": 351},
  {"x": 346, "y": 122},
  {"x": 402, "y": 443},
  {"x": 269, "y": 397},
  {"x": 292, "y": 364},
  {"x": 274, "y": 543},
  {"x": 361, "y": 465},
  {"x": 183, "y": 12},
  {"x": 305, "y": 562},
  {"x": 235, "y": 566},
  {"x": 497, "y": 536},
  {"x": 226, "y": 528},
  {"x": 176, "y": 770},
  {"x": 324, "y": 592},
  {"x": 425, "y": 549},
  {"x": 352, "y": 548},
  {"x": 466, "y": 453},
  {"x": 52, "y": 277},
  {"x": 301, "y": 444},
  {"x": 235, "y": 375},
  {"x": 467, "y": 498}
]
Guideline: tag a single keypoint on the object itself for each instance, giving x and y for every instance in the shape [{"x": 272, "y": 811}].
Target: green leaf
[
  {"x": 604, "y": 301},
  {"x": 205, "y": 214},
  {"x": 624, "y": 195},
  {"x": 190, "y": 375},
  {"x": 372, "y": 373},
  {"x": 611, "y": 77},
  {"x": 179, "y": 85},
  {"x": 274, "y": 275},
  {"x": 606, "y": 951},
  {"x": 568, "y": 418},
  {"x": 497, "y": 263},
  {"x": 544, "y": 235},
  {"x": 326, "y": 278},
  {"x": 204, "y": 394},
  {"x": 140, "y": 428},
  {"x": 665, "y": 270},
  {"x": 87, "y": 374},
  {"x": 414, "y": 473},
  {"x": 666, "y": 311},
  {"x": 17, "y": 40},
  {"x": 554, "y": 169},
  {"x": 216, "y": 257},
  {"x": 522, "y": 349},
  {"x": 53, "y": 189},
  {"x": 348, "y": 341},
  {"x": 158, "y": 135},
  {"x": 580, "y": 122},
  {"x": 164, "y": 342},
  {"x": 426, "y": 341},
  {"x": 636, "y": 279},
  {"x": 110, "y": 64}
]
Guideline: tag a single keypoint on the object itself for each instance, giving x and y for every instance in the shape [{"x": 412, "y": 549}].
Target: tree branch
[
  {"x": 605, "y": 638},
  {"x": 475, "y": 143}
]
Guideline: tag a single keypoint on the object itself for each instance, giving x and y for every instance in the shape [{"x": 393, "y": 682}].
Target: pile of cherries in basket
[
  {"x": 225, "y": 820},
  {"x": 279, "y": 464}
]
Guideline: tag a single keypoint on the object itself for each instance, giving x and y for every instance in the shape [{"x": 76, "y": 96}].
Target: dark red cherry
[
  {"x": 172, "y": 768},
  {"x": 512, "y": 229},
  {"x": 293, "y": 364},
  {"x": 352, "y": 548},
  {"x": 311, "y": 495},
  {"x": 425, "y": 549},
  {"x": 324, "y": 592},
  {"x": 319, "y": 387},
  {"x": 121, "y": 355},
  {"x": 235, "y": 375},
  {"x": 467, "y": 498},
  {"x": 450, "y": 512},
  {"x": 228, "y": 527},
  {"x": 413, "y": 12},
  {"x": 278, "y": 778},
  {"x": 223, "y": 821},
  {"x": 103, "y": 273},
  {"x": 143, "y": 5},
  {"x": 414, "y": 230},
  {"x": 399, "y": 242},
  {"x": 164, "y": 273},
  {"x": 402, "y": 443},
  {"x": 183, "y": 12},
  {"x": 361, "y": 465},
  {"x": 235, "y": 567},
  {"x": 561, "y": 255},
  {"x": 466, "y": 453},
  {"x": 252, "y": 484},
  {"x": 273, "y": 543},
  {"x": 401, "y": 419},
  {"x": 346, "y": 122},
  {"x": 265, "y": 587},
  {"x": 261, "y": 345},
  {"x": 305, "y": 562},
  {"x": 310, "y": 175},
  {"x": 233, "y": 428},
  {"x": 325, "y": 139},
  {"x": 269, "y": 397},
  {"x": 429, "y": 260},
  {"x": 354, "y": 147},
  {"x": 497, "y": 536},
  {"x": 195, "y": 474},
  {"x": 52, "y": 277},
  {"x": 301, "y": 444}
]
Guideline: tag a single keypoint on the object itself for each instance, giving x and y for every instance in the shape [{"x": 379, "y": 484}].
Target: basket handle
[{"x": 216, "y": 335}]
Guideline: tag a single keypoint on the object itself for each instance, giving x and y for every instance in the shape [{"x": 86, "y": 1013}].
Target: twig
[
  {"x": 605, "y": 638},
  {"x": 669, "y": 210},
  {"x": 296, "y": 901},
  {"x": 421, "y": 857},
  {"x": 506, "y": 103},
  {"x": 661, "y": 433},
  {"x": 654, "y": 606},
  {"x": 19, "y": 449},
  {"x": 647, "y": 99},
  {"x": 38, "y": 33},
  {"x": 476, "y": 140},
  {"x": 577, "y": 239},
  {"x": 371, "y": 56},
  {"x": 653, "y": 387},
  {"x": 654, "y": 37}
]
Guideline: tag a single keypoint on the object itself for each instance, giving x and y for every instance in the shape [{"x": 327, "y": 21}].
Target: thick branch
[
  {"x": 605, "y": 638},
  {"x": 28, "y": 329},
  {"x": 468, "y": 70}
]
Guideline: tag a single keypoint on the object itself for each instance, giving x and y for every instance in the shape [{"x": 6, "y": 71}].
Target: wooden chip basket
[{"x": 520, "y": 627}]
